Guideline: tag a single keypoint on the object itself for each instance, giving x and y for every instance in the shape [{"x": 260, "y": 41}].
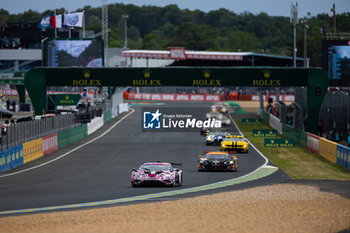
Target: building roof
[{"x": 179, "y": 53}]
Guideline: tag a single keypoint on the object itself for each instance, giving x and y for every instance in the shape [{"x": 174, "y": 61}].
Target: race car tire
[
  {"x": 177, "y": 180},
  {"x": 134, "y": 185}
]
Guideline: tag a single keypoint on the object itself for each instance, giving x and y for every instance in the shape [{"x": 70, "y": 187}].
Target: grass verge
[{"x": 297, "y": 162}]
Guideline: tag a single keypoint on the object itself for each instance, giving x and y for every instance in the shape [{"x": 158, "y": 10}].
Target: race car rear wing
[{"x": 177, "y": 164}]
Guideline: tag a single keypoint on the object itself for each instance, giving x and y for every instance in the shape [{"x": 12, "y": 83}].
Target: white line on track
[
  {"x": 240, "y": 132},
  {"x": 67, "y": 153}
]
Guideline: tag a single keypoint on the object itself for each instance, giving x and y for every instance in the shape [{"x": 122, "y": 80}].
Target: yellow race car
[
  {"x": 234, "y": 136},
  {"x": 236, "y": 144},
  {"x": 219, "y": 108}
]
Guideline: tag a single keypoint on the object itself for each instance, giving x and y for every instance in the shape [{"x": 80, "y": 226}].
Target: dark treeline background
[{"x": 151, "y": 27}]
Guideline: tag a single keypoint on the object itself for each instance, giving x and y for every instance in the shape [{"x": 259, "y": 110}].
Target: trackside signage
[
  {"x": 264, "y": 133},
  {"x": 147, "y": 80},
  {"x": 279, "y": 142},
  {"x": 207, "y": 80},
  {"x": 177, "y": 53},
  {"x": 166, "y": 119},
  {"x": 266, "y": 81},
  {"x": 174, "y": 97},
  {"x": 251, "y": 121}
]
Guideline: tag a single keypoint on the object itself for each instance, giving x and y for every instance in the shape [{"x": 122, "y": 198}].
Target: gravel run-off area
[{"x": 274, "y": 208}]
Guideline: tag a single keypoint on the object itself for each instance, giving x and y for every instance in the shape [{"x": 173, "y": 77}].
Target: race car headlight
[
  {"x": 232, "y": 162},
  {"x": 203, "y": 161},
  {"x": 245, "y": 145}
]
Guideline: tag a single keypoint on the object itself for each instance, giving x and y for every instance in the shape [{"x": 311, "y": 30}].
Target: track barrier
[
  {"x": 266, "y": 116},
  {"x": 107, "y": 116},
  {"x": 94, "y": 125},
  {"x": 11, "y": 158},
  {"x": 50, "y": 143},
  {"x": 328, "y": 150},
  {"x": 275, "y": 123},
  {"x": 343, "y": 156},
  {"x": 32, "y": 150},
  {"x": 313, "y": 142},
  {"x": 71, "y": 135},
  {"x": 300, "y": 136}
]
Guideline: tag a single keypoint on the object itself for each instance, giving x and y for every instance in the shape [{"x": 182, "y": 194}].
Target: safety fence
[
  {"x": 48, "y": 143},
  {"x": 15, "y": 134},
  {"x": 329, "y": 150}
]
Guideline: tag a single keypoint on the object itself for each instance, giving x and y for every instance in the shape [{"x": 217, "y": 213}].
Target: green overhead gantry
[{"x": 317, "y": 81}]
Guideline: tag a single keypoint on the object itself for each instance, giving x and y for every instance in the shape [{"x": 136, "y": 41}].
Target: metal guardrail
[{"x": 19, "y": 133}]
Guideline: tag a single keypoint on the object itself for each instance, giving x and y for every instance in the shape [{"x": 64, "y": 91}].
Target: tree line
[{"x": 152, "y": 27}]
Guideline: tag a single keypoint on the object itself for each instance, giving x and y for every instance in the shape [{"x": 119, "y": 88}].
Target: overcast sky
[{"x": 272, "y": 7}]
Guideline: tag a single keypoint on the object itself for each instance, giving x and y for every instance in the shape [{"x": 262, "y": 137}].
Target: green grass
[
  {"x": 297, "y": 162},
  {"x": 236, "y": 108}
]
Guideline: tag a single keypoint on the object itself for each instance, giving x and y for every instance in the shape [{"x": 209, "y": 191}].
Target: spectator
[
  {"x": 337, "y": 136},
  {"x": 332, "y": 135},
  {"x": 321, "y": 128}
]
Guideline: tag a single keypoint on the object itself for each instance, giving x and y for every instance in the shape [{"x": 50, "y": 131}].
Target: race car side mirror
[{"x": 200, "y": 156}]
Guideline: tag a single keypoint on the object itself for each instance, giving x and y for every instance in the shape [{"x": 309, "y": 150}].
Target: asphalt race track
[{"x": 101, "y": 170}]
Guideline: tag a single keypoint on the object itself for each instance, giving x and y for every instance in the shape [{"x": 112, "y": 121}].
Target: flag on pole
[
  {"x": 73, "y": 19},
  {"x": 51, "y": 21},
  {"x": 56, "y": 21},
  {"x": 45, "y": 22}
]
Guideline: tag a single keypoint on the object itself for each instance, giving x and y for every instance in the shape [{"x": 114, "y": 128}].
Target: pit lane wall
[
  {"x": 329, "y": 150},
  {"x": 35, "y": 149}
]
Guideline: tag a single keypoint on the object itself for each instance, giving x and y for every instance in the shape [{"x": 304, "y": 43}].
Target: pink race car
[{"x": 157, "y": 173}]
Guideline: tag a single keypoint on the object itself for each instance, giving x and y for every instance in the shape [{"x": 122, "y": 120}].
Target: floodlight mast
[
  {"x": 306, "y": 26},
  {"x": 125, "y": 17},
  {"x": 105, "y": 28},
  {"x": 294, "y": 21}
]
